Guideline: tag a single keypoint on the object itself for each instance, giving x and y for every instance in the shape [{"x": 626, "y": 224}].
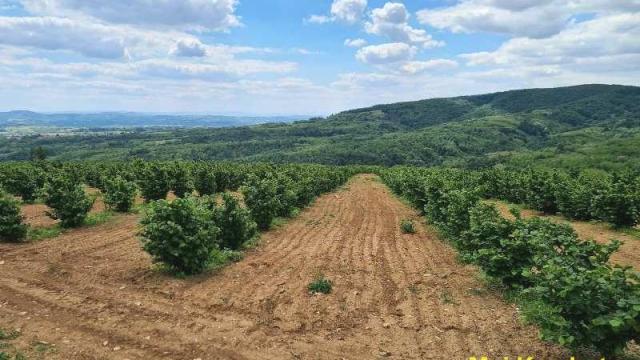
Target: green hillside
[{"x": 579, "y": 126}]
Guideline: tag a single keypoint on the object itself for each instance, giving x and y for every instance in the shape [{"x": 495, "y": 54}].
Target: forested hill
[{"x": 579, "y": 126}]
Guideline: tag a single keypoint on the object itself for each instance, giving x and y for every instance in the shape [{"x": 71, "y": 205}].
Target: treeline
[
  {"x": 188, "y": 234},
  {"x": 564, "y": 284}
]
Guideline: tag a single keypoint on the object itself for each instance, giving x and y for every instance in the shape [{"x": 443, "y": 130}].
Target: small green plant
[
  {"x": 9, "y": 334},
  {"x": 42, "y": 233},
  {"x": 119, "y": 194},
  {"x": 407, "y": 227},
  {"x": 180, "y": 234},
  {"x": 261, "y": 197},
  {"x": 68, "y": 201},
  {"x": 12, "y": 228},
  {"x": 98, "y": 218},
  {"x": 237, "y": 226},
  {"x": 447, "y": 298},
  {"x": 320, "y": 285}
]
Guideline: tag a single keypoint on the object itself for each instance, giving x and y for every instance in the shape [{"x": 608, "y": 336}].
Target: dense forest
[{"x": 573, "y": 127}]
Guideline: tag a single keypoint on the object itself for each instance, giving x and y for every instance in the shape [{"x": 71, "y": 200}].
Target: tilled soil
[
  {"x": 627, "y": 255},
  {"x": 93, "y": 294}
]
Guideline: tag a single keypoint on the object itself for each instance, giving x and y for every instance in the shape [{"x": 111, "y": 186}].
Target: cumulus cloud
[
  {"x": 609, "y": 36},
  {"x": 345, "y": 11},
  {"x": 189, "y": 48},
  {"x": 190, "y": 14},
  {"x": 51, "y": 33},
  {"x": 386, "y": 53},
  {"x": 414, "y": 67},
  {"x": 355, "y": 43},
  {"x": 392, "y": 22},
  {"x": 519, "y": 18}
]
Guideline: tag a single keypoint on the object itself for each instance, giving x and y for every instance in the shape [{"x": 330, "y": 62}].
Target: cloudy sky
[{"x": 302, "y": 56}]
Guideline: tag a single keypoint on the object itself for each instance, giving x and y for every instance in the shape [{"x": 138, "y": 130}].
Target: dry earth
[{"x": 93, "y": 294}]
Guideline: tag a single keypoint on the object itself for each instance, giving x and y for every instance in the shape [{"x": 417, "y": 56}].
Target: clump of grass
[
  {"x": 9, "y": 334},
  {"x": 447, "y": 298},
  {"x": 42, "y": 233},
  {"x": 407, "y": 226},
  {"x": 320, "y": 285},
  {"x": 98, "y": 218}
]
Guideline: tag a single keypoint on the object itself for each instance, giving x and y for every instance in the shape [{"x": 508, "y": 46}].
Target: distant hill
[
  {"x": 128, "y": 120},
  {"x": 578, "y": 126}
]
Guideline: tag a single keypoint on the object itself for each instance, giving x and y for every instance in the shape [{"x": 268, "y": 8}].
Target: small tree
[
  {"x": 26, "y": 182},
  {"x": 68, "y": 201},
  {"x": 180, "y": 234},
  {"x": 182, "y": 181},
  {"x": 119, "y": 194},
  {"x": 261, "y": 198},
  {"x": 235, "y": 222},
  {"x": 154, "y": 182},
  {"x": 12, "y": 228},
  {"x": 205, "y": 181}
]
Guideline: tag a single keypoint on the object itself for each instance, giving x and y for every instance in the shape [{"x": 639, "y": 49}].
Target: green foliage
[
  {"x": 407, "y": 227},
  {"x": 320, "y": 285},
  {"x": 235, "y": 222},
  {"x": 181, "y": 234},
  {"x": 205, "y": 180},
  {"x": 68, "y": 201},
  {"x": 25, "y": 181},
  {"x": 261, "y": 197},
  {"x": 182, "y": 181},
  {"x": 119, "y": 194},
  {"x": 154, "y": 181},
  {"x": 12, "y": 228}
]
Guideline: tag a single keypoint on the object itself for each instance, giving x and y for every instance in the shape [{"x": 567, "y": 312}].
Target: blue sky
[{"x": 302, "y": 56}]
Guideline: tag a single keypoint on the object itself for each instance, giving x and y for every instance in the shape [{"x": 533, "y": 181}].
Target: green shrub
[
  {"x": 407, "y": 227},
  {"x": 182, "y": 181},
  {"x": 27, "y": 182},
  {"x": 320, "y": 285},
  {"x": 154, "y": 182},
  {"x": 68, "y": 201},
  {"x": 119, "y": 194},
  {"x": 235, "y": 222},
  {"x": 261, "y": 197},
  {"x": 620, "y": 204},
  {"x": 205, "y": 181},
  {"x": 180, "y": 234},
  {"x": 12, "y": 228}
]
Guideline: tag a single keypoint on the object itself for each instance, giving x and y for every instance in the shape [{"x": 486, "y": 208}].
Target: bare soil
[
  {"x": 629, "y": 253},
  {"x": 93, "y": 294}
]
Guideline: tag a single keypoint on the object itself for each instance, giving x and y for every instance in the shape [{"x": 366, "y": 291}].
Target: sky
[{"x": 303, "y": 57}]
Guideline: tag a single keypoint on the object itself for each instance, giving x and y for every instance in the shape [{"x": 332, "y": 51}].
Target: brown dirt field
[
  {"x": 629, "y": 253},
  {"x": 92, "y": 294}
]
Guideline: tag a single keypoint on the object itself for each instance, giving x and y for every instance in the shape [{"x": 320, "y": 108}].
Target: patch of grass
[
  {"x": 635, "y": 232},
  {"x": 98, "y": 218},
  {"x": 320, "y": 285},
  {"x": 447, "y": 298},
  {"x": 42, "y": 347},
  {"x": 407, "y": 226},
  {"x": 414, "y": 288},
  {"x": 9, "y": 334},
  {"x": 42, "y": 233}
]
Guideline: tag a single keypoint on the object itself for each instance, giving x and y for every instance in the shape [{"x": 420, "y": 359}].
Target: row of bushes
[
  {"x": 191, "y": 234},
  {"x": 565, "y": 285},
  {"x": 587, "y": 195}
]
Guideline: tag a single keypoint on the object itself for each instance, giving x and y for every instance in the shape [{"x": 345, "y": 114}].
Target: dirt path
[
  {"x": 629, "y": 253},
  {"x": 92, "y": 293}
]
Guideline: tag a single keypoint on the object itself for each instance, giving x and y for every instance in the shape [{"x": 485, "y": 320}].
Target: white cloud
[
  {"x": 414, "y": 67},
  {"x": 493, "y": 16},
  {"x": 386, "y": 53},
  {"x": 355, "y": 43},
  {"x": 318, "y": 19},
  {"x": 392, "y": 22},
  {"x": 608, "y": 36},
  {"x": 521, "y": 18},
  {"x": 183, "y": 14},
  {"x": 50, "y": 33},
  {"x": 348, "y": 11},
  {"x": 189, "y": 47}
]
